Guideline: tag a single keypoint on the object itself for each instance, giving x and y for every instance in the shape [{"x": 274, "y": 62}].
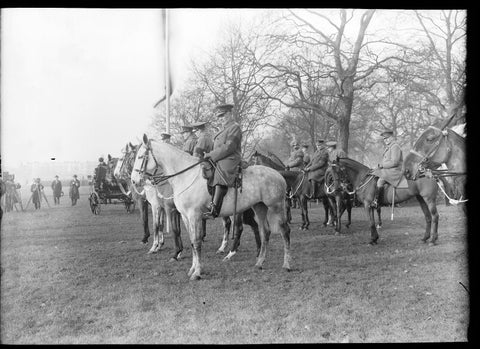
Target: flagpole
[{"x": 167, "y": 73}]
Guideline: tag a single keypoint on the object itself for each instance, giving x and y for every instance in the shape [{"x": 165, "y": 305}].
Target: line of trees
[{"x": 331, "y": 74}]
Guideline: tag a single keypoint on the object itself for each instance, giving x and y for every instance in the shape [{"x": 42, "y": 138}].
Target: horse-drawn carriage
[{"x": 105, "y": 189}]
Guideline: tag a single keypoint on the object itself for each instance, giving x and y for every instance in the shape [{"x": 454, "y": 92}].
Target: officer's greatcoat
[
  {"x": 392, "y": 163},
  {"x": 226, "y": 154},
  {"x": 318, "y": 165},
  {"x": 203, "y": 145},
  {"x": 295, "y": 161},
  {"x": 189, "y": 144}
]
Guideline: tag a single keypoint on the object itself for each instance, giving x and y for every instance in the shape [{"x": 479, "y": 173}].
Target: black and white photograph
[{"x": 234, "y": 176}]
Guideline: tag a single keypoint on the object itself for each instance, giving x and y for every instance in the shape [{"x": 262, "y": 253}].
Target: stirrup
[{"x": 212, "y": 214}]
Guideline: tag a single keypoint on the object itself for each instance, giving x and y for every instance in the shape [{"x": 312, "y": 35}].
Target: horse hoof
[
  {"x": 287, "y": 269},
  {"x": 172, "y": 259},
  {"x": 379, "y": 226},
  {"x": 337, "y": 233},
  {"x": 220, "y": 252},
  {"x": 432, "y": 243},
  {"x": 258, "y": 267},
  {"x": 424, "y": 241},
  {"x": 195, "y": 277}
]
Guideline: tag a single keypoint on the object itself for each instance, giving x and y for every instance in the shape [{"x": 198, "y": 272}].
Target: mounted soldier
[
  {"x": 204, "y": 142},
  {"x": 189, "y": 139},
  {"x": 390, "y": 170},
  {"x": 333, "y": 152},
  {"x": 316, "y": 167},
  {"x": 306, "y": 156},
  {"x": 57, "y": 190},
  {"x": 165, "y": 137},
  {"x": 226, "y": 154},
  {"x": 295, "y": 161}
]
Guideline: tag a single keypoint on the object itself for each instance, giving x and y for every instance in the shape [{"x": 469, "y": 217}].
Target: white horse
[
  {"x": 263, "y": 189},
  {"x": 165, "y": 216}
]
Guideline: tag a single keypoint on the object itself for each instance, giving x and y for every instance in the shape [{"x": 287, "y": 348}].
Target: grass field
[{"x": 68, "y": 276}]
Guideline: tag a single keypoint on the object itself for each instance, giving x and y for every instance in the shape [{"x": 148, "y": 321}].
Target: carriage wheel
[{"x": 94, "y": 203}]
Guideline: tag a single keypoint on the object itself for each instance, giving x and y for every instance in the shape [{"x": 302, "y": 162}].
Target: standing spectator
[
  {"x": 74, "y": 193},
  {"x": 57, "y": 190},
  {"x": 36, "y": 188},
  {"x": 189, "y": 139}
]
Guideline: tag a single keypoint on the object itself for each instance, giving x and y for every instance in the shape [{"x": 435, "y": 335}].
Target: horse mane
[
  {"x": 178, "y": 152},
  {"x": 271, "y": 157},
  {"x": 353, "y": 164}
]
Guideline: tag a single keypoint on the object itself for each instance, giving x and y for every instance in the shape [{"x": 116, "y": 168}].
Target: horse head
[
  {"x": 145, "y": 163},
  {"x": 430, "y": 150}
]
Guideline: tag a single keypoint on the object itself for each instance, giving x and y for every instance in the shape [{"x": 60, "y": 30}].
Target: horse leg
[
  {"x": 349, "y": 211},
  {"x": 249, "y": 219},
  {"x": 196, "y": 236},
  {"x": 304, "y": 206},
  {"x": 176, "y": 235},
  {"x": 428, "y": 217},
  {"x": 260, "y": 217},
  {"x": 432, "y": 208},
  {"x": 236, "y": 238},
  {"x": 339, "y": 208},
  {"x": 277, "y": 222},
  {"x": 227, "y": 223},
  {"x": 327, "y": 214},
  {"x": 143, "y": 208},
  {"x": 379, "y": 215},
  {"x": 373, "y": 229},
  {"x": 155, "y": 226},
  {"x": 289, "y": 211}
]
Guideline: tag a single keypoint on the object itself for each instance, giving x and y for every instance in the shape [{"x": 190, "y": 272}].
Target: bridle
[
  {"x": 425, "y": 158},
  {"x": 155, "y": 177}
]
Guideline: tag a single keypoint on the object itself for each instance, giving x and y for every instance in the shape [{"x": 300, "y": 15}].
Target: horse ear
[
  {"x": 145, "y": 139},
  {"x": 109, "y": 157},
  {"x": 126, "y": 148},
  {"x": 131, "y": 145}
]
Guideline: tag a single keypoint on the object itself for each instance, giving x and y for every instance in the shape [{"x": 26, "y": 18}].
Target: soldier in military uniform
[
  {"x": 165, "y": 137},
  {"x": 295, "y": 161},
  {"x": 390, "y": 170},
  {"x": 333, "y": 152},
  {"x": 204, "y": 142},
  {"x": 317, "y": 166},
  {"x": 189, "y": 139},
  {"x": 306, "y": 156},
  {"x": 226, "y": 153}
]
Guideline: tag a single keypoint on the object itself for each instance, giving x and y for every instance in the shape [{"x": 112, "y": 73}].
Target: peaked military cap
[
  {"x": 331, "y": 144},
  {"x": 186, "y": 128},
  {"x": 165, "y": 135},
  {"x": 222, "y": 109},
  {"x": 100, "y": 159},
  {"x": 386, "y": 133},
  {"x": 75, "y": 176},
  {"x": 199, "y": 124},
  {"x": 56, "y": 176}
]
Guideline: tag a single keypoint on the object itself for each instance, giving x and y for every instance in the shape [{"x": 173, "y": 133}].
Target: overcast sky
[{"x": 80, "y": 83}]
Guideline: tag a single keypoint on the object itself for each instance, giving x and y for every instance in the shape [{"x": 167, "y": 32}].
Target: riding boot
[
  {"x": 378, "y": 195},
  {"x": 216, "y": 204}
]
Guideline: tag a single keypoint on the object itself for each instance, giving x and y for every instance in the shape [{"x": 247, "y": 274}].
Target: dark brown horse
[
  {"x": 298, "y": 187},
  {"x": 433, "y": 148},
  {"x": 364, "y": 183}
]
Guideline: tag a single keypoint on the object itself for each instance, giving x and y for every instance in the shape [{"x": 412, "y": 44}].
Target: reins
[{"x": 161, "y": 178}]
